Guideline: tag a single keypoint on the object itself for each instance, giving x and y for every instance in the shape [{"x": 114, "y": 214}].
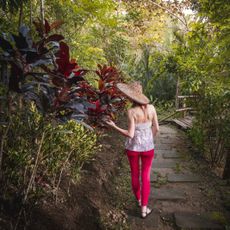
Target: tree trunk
[
  {"x": 146, "y": 54},
  {"x": 20, "y": 15},
  {"x": 226, "y": 174},
  {"x": 42, "y": 11},
  {"x": 31, "y": 13},
  {"x": 4, "y": 78}
]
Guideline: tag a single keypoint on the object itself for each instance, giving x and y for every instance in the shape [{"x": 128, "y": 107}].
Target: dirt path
[{"x": 184, "y": 193}]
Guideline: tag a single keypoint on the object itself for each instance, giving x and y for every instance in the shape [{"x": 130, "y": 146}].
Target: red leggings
[{"x": 141, "y": 192}]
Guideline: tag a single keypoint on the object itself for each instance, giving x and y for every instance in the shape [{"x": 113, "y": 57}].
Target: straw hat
[{"x": 133, "y": 91}]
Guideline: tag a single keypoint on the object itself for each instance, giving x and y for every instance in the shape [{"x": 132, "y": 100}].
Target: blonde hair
[
  {"x": 143, "y": 108},
  {"x": 145, "y": 111}
]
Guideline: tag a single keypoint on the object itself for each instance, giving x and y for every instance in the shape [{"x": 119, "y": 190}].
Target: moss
[{"x": 219, "y": 217}]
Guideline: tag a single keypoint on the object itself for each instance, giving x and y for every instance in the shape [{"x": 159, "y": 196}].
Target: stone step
[
  {"x": 169, "y": 140},
  {"x": 151, "y": 222},
  {"x": 153, "y": 176},
  {"x": 195, "y": 221},
  {"x": 167, "y": 194},
  {"x": 167, "y": 217},
  {"x": 165, "y": 164},
  {"x": 163, "y": 147},
  {"x": 162, "y": 152},
  {"x": 172, "y": 155},
  {"x": 183, "y": 178},
  {"x": 166, "y": 130}
]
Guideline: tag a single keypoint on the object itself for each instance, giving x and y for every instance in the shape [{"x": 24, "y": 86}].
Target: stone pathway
[{"x": 182, "y": 196}]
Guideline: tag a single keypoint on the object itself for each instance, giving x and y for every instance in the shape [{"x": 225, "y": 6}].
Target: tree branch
[{"x": 184, "y": 22}]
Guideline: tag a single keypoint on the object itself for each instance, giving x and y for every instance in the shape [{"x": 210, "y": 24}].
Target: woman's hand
[{"x": 110, "y": 123}]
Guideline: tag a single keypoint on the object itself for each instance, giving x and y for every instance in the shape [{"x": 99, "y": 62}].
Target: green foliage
[
  {"x": 203, "y": 67},
  {"x": 161, "y": 180},
  {"x": 197, "y": 135},
  {"x": 164, "y": 108},
  {"x": 156, "y": 71},
  {"x": 11, "y": 5},
  {"x": 212, "y": 128},
  {"x": 39, "y": 152},
  {"x": 88, "y": 27},
  {"x": 116, "y": 51}
]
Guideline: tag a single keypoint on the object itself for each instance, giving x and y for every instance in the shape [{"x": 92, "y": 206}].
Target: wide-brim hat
[{"x": 133, "y": 91}]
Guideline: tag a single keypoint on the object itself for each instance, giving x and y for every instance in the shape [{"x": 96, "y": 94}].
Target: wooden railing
[
  {"x": 185, "y": 121},
  {"x": 181, "y": 105}
]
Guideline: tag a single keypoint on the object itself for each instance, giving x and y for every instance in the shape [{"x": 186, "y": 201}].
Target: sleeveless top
[{"x": 143, "y": 138}]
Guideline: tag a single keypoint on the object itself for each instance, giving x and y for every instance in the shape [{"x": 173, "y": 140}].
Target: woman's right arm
[
  {"x": 131, "y": 126},
  {"x": 155, "y": 126}
]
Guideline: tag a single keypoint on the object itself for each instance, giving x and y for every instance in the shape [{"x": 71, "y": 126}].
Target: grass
[
  {"x": 161, "y": 180},
  {"x": 178, "y": 168},
  {"x": 164, "y": 109},
  {"x": 219, "y": 217}
]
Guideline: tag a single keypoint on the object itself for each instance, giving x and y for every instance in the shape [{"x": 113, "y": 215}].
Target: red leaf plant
[
  {"x": 44, "y": 29},
  {"x": 69, "y": 91},
  {"x": 108, "y": 100}
]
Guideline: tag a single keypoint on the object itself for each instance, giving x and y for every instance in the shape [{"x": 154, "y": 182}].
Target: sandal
[{"x": 144, "y": 214}]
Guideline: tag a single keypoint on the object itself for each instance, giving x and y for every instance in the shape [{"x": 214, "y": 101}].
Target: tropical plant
[
  {"x": 11, "y": 5},
  {"x": 58, "y": 86}
]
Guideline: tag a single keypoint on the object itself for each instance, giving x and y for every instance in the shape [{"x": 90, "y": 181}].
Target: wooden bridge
[{"x": 186, "y": 119}]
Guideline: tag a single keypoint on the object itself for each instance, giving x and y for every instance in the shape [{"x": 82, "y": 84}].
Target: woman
[{"x": 142, "y": 127}]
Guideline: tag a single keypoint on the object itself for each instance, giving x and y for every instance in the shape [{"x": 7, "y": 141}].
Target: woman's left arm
[
  {"x": 131, "y": 126},
  {"x": 155, "y": 127}
]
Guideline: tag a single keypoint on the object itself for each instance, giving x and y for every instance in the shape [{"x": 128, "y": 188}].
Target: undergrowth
[{"x": 37, "y": 154}]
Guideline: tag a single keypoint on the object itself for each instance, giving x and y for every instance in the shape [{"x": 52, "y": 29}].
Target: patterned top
[{"x": 143, "y": 138}]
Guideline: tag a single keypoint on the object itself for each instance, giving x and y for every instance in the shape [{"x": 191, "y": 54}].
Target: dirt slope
[{"x": 87, "y": 205}]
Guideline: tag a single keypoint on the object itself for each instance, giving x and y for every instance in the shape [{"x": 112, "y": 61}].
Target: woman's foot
[{"x": 145, "y": 211}]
